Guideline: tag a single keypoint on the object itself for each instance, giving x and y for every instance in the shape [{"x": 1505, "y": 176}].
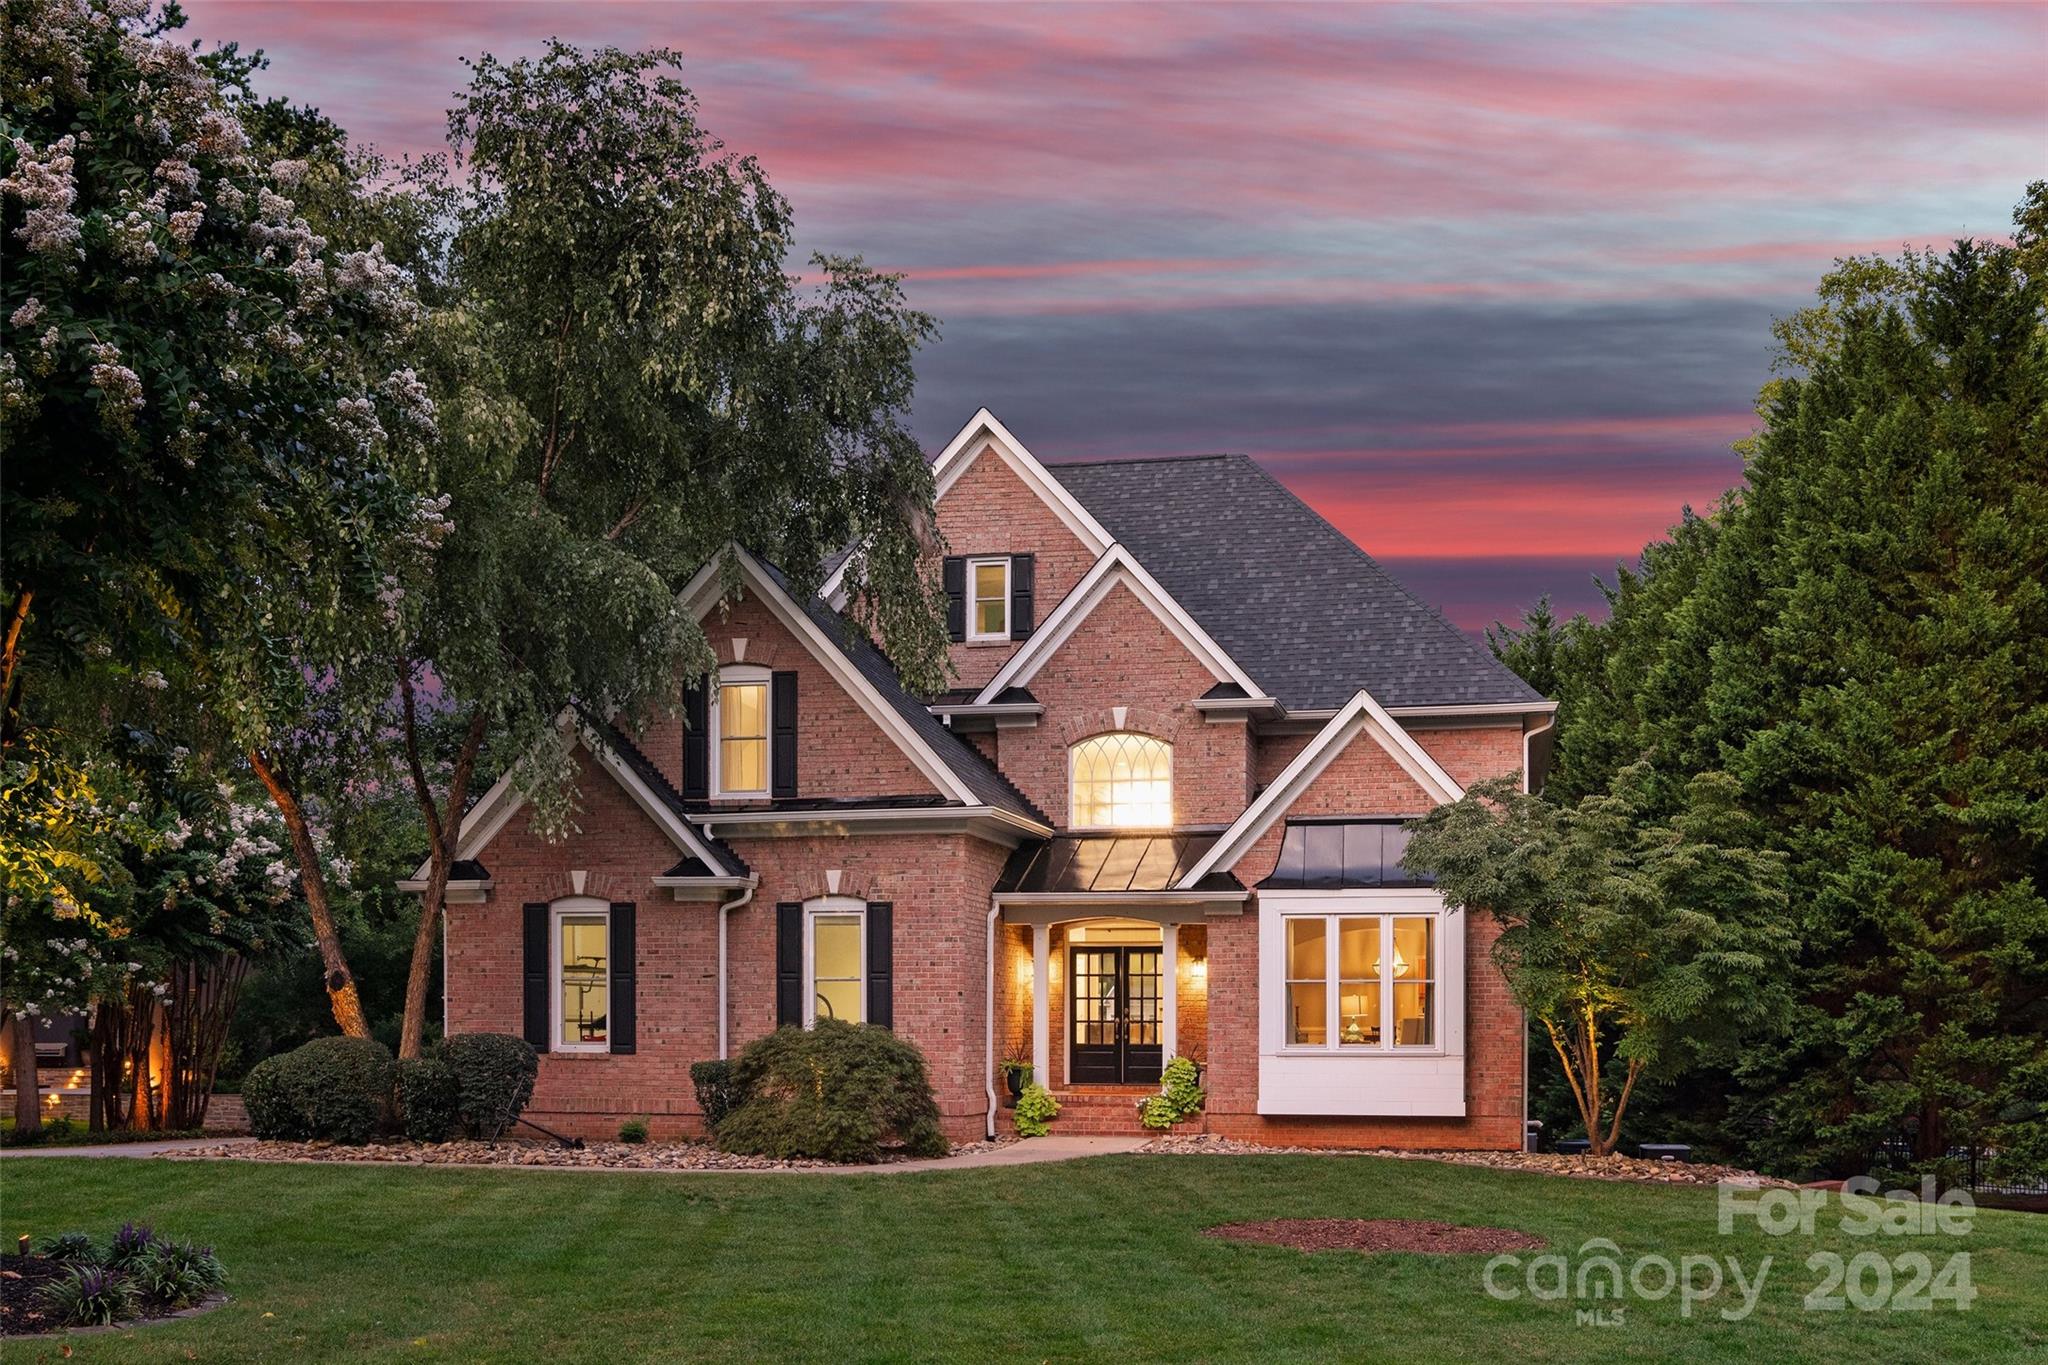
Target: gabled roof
[
  {"x": 954, "y": 766},
  {"x": 1117, "y": 566},
  {"x": 1362, "y": 714},
  {"x": 1282, "y": 591}
]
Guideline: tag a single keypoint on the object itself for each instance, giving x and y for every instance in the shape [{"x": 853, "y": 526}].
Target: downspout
[
  {"x": 1528, "y": 750},
  {"x": 725, "y": 909},
  {"x": 989, "y": 1060}
]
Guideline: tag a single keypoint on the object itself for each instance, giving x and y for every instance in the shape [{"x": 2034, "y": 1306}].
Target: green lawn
[{"x": 1101, "y": 1259}]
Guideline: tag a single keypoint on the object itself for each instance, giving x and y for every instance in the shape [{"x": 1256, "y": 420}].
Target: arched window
[{"x": 1122, "y": 781}]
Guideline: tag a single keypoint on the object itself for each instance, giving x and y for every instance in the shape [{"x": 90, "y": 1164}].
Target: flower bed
[
  {"x": 1540, "y": 1163},
  {"x": 627, "y": 1156},
  {"x": 71, "y": 1282}
]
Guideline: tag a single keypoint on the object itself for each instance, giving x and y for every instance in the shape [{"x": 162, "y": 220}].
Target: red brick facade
[{"x": 941, "y": 883}]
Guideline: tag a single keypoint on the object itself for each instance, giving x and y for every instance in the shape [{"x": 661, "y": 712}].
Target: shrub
[
  {"x": 177, "y": 1274},
  {"x": 835, "y": 1092},
  {"x": 1180, "y": 1096},
  {"x": 130, "y": 1244},
  {"x": 90, "y": 1296},
  {"x": 71, "y": 1246},
  {"x": 717, "y": 1095},
  {"x": 493, "y": 1078},
  {"x": 338, "y": 1089},
  {"x": 633, "y": 1130},
  {"x": 1035, "y": 1111},
  {"x": 429, "y": 1098}
]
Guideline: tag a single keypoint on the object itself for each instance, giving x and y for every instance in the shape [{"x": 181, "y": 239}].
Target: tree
[
  {"x": 1636, "y": 945},
  {"x": 628, "y": 383},
  {"x": 212, "y": 442}
]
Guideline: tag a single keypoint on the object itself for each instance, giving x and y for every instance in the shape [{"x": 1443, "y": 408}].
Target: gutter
[
  {"x": 725, "y": 909},
  {"x": 989, "y": 1039},
  {"x": 1528, "y": 749}
]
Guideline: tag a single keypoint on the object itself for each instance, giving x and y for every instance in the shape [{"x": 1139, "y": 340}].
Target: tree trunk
[
  {"x": 444, "y": 829},
  {"x": 10, "y": 660},
  {"x": 197, "y": 1013},
  {"x": 340, "y": 983},
  {"x": 122, "y": 1027},
  {"x": 28, "y": 1088}
]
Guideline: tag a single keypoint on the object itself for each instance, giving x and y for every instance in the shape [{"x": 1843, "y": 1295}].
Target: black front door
[{"x": 1115, "y": 1010}]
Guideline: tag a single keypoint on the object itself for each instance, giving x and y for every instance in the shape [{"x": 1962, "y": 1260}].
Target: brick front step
[{"x": 1110, "y": 1111}]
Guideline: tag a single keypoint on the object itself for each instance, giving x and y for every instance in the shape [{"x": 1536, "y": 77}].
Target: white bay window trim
[{"x": 1334, "y": 1078}]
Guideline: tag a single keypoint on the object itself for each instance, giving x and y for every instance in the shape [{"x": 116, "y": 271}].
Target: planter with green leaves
[
  {"x": 1180, "y": 1096},
  {"x": 1036, "y": 1108}
]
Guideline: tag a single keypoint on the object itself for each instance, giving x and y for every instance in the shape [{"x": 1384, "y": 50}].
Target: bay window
[{"x": 1358, "y": 982}]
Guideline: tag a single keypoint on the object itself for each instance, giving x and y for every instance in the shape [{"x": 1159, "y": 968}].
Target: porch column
[
  {"x": 1169, "y": 988},
  {"x": 1041, "y": 1009}
]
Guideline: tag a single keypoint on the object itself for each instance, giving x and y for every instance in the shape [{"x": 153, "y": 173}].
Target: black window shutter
[
  {"x": 1023, "y": 595},
  {"x": 955, "y": 579},
  {"x": 782, "y": 742},
  {"x": 696, "y": 744},
  {"x": 882, "y": 964},
  {"x": 622, "y": 1005},
  {"x": 537, "y": 1013},
  {"x": 789, "y": 964}
]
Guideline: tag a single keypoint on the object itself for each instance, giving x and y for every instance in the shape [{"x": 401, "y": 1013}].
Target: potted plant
[{"x": 1016, "y": 1075}]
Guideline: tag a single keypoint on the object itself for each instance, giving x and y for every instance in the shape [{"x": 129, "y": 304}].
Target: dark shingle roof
[
  {"x": 989, "y": 786},
  {"x": 645, "y": 768},
  {"x": 1308, "y": 614}
]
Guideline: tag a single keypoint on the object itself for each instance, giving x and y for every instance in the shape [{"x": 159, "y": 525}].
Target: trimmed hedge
[
  {"x": 338, "y": 1089},
  {"x": 494, "y": 1075},
  {"x": 717, "y": 1094},
  {"x": 429, "y": 1098},
  {"x": 834, "y": 1092}
]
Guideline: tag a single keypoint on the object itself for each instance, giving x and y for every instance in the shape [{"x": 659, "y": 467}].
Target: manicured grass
[{"x": 1101, "y": 1259}]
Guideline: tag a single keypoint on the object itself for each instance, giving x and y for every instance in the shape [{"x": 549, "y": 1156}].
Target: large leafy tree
[
  {"x": 1856, "y": 636},
  {"x": 212, "y": 441},
  {"x": 1638, "y": 946},
  {"x": 628, "y": 382}
]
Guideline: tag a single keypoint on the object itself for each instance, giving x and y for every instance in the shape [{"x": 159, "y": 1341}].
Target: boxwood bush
[
  {"x": 717, "y": 1095},
  {"x": 338, "y": 1089},
  {"x": 429, "y": 1098},
  {"x": 836, "y": 1092},
  {"x": 493, "y": 1078}
]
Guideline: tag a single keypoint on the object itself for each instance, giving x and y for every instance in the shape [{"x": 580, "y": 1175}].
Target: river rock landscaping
[{"x": 625, "y": 1156}]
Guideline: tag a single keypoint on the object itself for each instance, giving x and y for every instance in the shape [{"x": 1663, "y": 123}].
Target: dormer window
[
  {"x": 989, "y": 613},
  {"x": 740, "y": 733},
  {"x": 1121, "y": 781}
]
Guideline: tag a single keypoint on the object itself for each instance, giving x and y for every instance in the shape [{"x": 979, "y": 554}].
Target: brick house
[{"x": 1160, "y": 814}]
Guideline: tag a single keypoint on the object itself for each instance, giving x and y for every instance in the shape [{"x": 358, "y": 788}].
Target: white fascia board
[
  {"x": 1361, "y": 713},
  {"x": 960, "y": 454},
  {"x": 698, "y": 596},
  {"x": 1117, "y": 565}
]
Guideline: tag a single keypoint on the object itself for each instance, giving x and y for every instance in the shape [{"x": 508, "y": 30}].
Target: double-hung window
[
  {"x": 835, "y": 960},
  {"x": 740, "y": 733},
  {"x": 988, "y": 608},
  {"x": 1357, "y": 982},
  {"x": 582, "y": 976}
]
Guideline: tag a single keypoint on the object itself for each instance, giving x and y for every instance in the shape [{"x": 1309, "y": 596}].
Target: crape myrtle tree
[
  {"x": 1856, "y": 638},
  {"x": 213, "y": 441},
  {"x": 1638, "y": 946},
  {"x": 627, "y": 382}
]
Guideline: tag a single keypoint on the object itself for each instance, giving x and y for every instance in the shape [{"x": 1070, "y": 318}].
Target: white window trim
[
  {"x": 1073, "y": 806},
  {"x": 975, "y": 636},
  {"x": 832, "y": 905},
  {"x": 1409, "y": 1082},
  {"x": 748, "y": 674},
  {"x": 1333, "y": 984},
  {"x": 582, "y": 907}
]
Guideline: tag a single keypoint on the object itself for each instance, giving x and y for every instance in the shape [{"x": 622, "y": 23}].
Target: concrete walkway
[{"x": 1030, "y": 1152}]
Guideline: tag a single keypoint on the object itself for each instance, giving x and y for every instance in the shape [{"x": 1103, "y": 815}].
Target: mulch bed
[
  {"x": 21, "y": 1310},
  {"x": 1538, "y": 1163},
  {"x": 1371, "y": 1235},
  {"x": 623, "y": 1156}
]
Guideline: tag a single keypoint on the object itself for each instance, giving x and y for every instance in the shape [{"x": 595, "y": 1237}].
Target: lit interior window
[
  {"x": 743, "y": 737},
  {"x": 585, "y": 980},
  {"x": 1123, "y": 781},
  {"x": 836, "y": 985},
  {"x": 991, "y": 599}
]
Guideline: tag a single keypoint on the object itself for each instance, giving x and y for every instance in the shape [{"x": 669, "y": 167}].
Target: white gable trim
[
  {"x": 489, "y": 816},
  {"x": 1361, "y": 713},
  {"x": 704, "y": 590},
  {"x": 1116, "y": 566},
  {"x": 984, "y": 433}
]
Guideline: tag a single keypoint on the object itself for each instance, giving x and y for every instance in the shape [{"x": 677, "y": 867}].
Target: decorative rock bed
[
  {"x": 1539, "y": 1163},
  {"x": 624, "y": 1156},
  {"x": 1370, "y": 1235}
]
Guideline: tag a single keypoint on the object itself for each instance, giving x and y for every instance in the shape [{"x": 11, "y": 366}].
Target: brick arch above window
[{"x": 1143, "y": 720}]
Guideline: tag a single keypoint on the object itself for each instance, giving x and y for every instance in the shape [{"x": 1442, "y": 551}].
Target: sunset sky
[{"x": 1491, "y": 288}]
